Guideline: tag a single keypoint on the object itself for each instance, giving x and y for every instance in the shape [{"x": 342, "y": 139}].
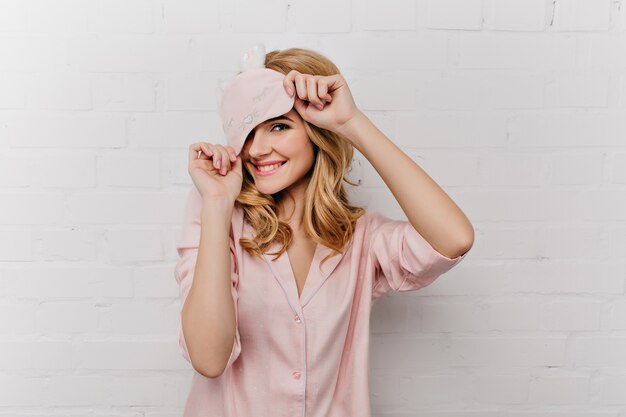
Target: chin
[{"x": 269, "y": 190}]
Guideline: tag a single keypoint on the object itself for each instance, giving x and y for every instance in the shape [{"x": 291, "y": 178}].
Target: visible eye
[{"x": 280, "y": 124}]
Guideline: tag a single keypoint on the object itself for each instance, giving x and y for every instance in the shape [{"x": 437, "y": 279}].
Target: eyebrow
[{"x": 278, "y": 118}]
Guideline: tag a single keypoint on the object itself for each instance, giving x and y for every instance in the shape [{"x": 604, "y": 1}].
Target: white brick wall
[{"x": 515, "y": 107}]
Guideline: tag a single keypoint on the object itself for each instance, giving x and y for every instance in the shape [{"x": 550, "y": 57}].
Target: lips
[
  {"x": 268, "y": 163},
  {"x": 270, "y": 172}
]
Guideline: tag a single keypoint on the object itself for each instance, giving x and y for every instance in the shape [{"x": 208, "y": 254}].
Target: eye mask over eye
[{"x": 255, "y": 95}]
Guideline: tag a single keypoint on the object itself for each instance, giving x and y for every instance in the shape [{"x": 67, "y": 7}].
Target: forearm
[
  {"x": 208, "y": 315},
  {"x": 427, "y": 207}
]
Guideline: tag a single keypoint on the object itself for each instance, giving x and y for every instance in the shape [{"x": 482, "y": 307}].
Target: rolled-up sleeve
[
  {"x": 187, "y": 249},
  {"x": 402, "y": 259}
]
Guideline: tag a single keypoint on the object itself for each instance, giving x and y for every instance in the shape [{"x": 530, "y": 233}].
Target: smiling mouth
[{"x": 268, "y": 171}]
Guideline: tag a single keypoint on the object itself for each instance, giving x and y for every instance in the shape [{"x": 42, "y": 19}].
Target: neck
[
  {"x": 291, "y": 206},
  {"x": 292, "y": 212}
]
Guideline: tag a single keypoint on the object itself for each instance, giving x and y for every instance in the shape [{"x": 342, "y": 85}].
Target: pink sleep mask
[{"x": 252, "y": 97}]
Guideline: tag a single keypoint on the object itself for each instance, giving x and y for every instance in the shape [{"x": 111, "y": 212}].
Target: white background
[{"x": 515, "y": 107}]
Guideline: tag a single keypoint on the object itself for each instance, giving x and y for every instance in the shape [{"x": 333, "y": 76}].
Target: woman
[{"x": 289, "y": 335}]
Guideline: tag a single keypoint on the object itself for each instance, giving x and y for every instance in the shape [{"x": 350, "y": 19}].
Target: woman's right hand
[{"x": 216, "y": 170}]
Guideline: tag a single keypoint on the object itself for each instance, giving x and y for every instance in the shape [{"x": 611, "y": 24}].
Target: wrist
[
  {"x": 218, "y": 203},
  {"x": 351, "y": 129}
]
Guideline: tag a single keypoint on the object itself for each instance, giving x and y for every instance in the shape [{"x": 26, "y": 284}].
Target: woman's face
[{"x": 282, "y": 139}]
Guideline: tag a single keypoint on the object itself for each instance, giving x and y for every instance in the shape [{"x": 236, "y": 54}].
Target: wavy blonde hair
[{"x": 328, "y": 218}]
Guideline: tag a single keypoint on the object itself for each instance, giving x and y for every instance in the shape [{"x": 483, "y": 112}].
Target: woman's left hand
[{"x": 330, "y": 92}]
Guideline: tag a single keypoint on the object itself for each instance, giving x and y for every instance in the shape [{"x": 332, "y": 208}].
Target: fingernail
[
  {"x": 290, "y": 91},
  {"x": 218, "y": 163},
  {"x": 319, "y": 106}
]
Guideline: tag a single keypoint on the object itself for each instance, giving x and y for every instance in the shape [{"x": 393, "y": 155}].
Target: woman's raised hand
[{"x": 215, "y": 170}]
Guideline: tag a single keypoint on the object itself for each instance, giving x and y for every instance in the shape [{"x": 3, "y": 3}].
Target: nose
[{"x": 260, "y": 143}]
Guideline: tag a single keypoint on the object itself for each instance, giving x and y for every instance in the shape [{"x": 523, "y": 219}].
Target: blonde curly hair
[{"x": 328, "y": 218}]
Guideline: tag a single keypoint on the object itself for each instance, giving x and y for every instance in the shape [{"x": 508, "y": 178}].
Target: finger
[
  {"x": 225, "y": 165},
  {"x": 222, "y": 159},
  {"x": 231, "y": 153},
  {"x": 311, "y": 89},
  {"x": 217, "y": 157},
  {"x": 238, "y": 164},
  {"x": 213, "y": 152},
  {"x": 289, "y": 81},
  {"x": 206, "y": 152},
  {"x": 299, "y": 106},
  {"x": 322, "y": 88},
  {"x": 195, "y": 151},
  {"x": 301, "y": 87}
]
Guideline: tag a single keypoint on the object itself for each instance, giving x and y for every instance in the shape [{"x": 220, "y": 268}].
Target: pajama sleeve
[
  {"x": 402, "y": 259},
  {"x": 187, "y": 249}
]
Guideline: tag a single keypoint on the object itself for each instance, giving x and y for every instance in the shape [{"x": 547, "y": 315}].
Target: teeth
[{"x": 268, "y": 167}]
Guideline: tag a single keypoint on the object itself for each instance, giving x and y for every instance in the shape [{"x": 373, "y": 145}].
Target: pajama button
[
  {"x": 296, "y": 375},
  {"x": 297, "y": 319}
]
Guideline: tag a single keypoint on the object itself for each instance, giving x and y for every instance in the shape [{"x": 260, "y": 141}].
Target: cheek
[
  {"x": 287, "y": 146},
  {"x": 299, "y": 142}
]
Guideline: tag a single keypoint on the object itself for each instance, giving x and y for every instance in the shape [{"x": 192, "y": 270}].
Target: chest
[
  {"x": 275, "y": 296},
  {"x": 300, "y": 255}
]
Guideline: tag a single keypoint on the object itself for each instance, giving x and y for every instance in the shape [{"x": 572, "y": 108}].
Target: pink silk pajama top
[{"x": 303, "y": 356}]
